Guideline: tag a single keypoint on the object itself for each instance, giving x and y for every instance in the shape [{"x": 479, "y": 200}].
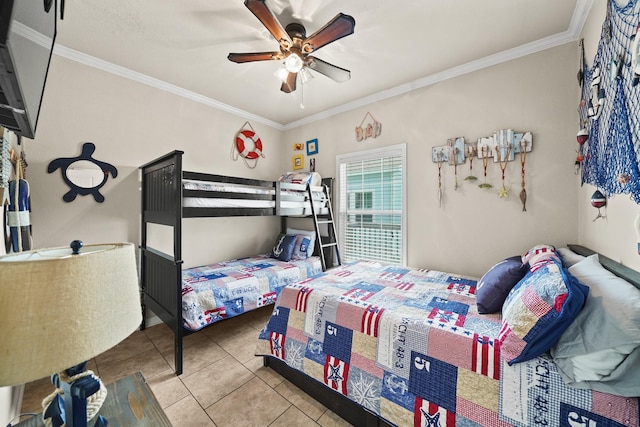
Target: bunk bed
[
  {"x": 388, "y": 345},
  {"x": 189, "y": 299}
]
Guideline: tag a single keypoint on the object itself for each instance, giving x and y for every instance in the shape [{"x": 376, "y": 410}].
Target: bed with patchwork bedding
[
  {"x": 387, "y": 345},
  {"x": 227, "y": 289}
]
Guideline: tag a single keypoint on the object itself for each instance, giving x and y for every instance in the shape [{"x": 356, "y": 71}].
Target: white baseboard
[{"x": 152, "y": 319}]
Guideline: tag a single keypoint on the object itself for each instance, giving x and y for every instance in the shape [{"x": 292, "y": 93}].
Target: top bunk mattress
[{"x": 292, "y": 195}]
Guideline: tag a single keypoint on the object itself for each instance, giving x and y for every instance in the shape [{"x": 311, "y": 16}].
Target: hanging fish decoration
[
  {"x": 598, "y": 200},
  {"x": 523, "y": 160},
  {"x": 523, "y": 199}
]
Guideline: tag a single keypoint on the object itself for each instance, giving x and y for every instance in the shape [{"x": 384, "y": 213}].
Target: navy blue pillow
[
  {"x": 283, "y": 249},
  {"x": 492, "y": 289}
]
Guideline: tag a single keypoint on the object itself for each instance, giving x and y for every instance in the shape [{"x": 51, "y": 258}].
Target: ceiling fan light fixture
[
  {"x": 296, "y": 47},
  {"x": 282, "y": 73},
  {"x": 293, "y": 63},
  {"x": 305, "y": 75}
]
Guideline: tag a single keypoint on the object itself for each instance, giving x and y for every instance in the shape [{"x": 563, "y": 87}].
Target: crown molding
[
  {"x": 126, "y": 73},
  {"x": 572, "y": 34},
  {"x": 578, "y": 19}
]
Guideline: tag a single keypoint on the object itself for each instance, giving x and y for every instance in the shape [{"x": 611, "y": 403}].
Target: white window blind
[{"x": 371, "y": 222}]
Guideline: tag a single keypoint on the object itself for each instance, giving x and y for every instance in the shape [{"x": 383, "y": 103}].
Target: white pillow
[
  {"x": 610, "y": 320},
  {"x": 600, "y": 350},
  {"x": 312, "y": 237},
  {"x": 594, "y": 366},
  {"x": 569, "y": 257}
]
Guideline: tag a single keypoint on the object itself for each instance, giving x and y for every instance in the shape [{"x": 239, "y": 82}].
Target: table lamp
[{"x": 60, "y": 307}]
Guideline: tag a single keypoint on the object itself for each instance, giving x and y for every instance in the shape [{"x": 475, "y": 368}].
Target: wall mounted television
[{"x": 27, "y": 37}]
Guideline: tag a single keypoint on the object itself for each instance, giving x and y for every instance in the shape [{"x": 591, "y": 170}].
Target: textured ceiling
[{"x": 397, "y": 46}]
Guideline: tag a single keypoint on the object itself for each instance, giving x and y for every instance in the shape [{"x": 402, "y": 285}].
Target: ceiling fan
[{"x": 295, "y": 47}]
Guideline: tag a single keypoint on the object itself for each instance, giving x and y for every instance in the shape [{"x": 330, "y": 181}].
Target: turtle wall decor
[{"x": 65, "y": 163}]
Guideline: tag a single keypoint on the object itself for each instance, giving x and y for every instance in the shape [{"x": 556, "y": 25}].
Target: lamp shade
[{"x": 58, "y": 310}]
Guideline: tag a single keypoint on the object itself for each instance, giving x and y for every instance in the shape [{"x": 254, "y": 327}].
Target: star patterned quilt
[
  {"x": 410, "y": 346},
  {"x": 217, "y": 291}
]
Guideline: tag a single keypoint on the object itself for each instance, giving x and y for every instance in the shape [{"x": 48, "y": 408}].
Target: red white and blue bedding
[
  {"x": 218, "y": 291},
  {"x": 410, "y": 346}
]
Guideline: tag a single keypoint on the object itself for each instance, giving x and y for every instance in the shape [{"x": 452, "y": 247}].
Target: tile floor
[{"x": 223, "y": 383}]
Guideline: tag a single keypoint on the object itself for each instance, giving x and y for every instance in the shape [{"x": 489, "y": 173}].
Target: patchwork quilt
[
  {"x": 410, "y": 346},
  {"x": 217, "y": 291}
]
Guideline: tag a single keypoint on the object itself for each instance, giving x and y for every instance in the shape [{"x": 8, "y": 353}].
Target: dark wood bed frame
[
  {"x": 359, "y": 416},
  {"x": 162, "y": 195}
]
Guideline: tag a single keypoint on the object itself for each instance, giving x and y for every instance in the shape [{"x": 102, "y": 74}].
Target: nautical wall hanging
[
  {"x": 502, "y": 147},
  {"x": 439, "y": 156},
  {"x": 369, "y": 128},
  {"x": 582, "y": 137},
  {"x": 598, "y": 201},
  {"x": 16, "y": 198},
  {"x": 523, "y": 159},
  {"x": 247, "y": 145},
  {"x": 469, "y": 153},
  {"x": 609, "y": 109},
  {"x": 83, "y": 180}
]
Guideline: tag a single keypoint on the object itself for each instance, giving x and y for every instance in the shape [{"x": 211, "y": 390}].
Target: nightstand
[{"x": 129, "y": 402}]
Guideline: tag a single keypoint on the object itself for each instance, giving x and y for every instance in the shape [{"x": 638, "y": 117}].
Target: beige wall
[
  {"x": 615, "y": 236},
  {"x": 131, "y": 123},
  {"x": 474, "y": 228}
]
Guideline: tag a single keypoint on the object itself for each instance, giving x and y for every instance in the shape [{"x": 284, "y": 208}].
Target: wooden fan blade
[
  {"x": 254, "y": 56},
  {"x": 332, "y": 71},
  {"x": 340, "y": 26},
  {"x": 260, "y": 9},
  {"x": 290, "y": 84}
]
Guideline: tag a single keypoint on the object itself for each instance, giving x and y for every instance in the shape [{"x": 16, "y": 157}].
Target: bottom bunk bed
[
  {"x": 214, "y": 292},
  {"x": 386, "y": 345},
  {"x": 227, "y": 289}
]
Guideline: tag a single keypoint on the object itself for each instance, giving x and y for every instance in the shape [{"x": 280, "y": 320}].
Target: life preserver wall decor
[{"x": 247, "y": 144}]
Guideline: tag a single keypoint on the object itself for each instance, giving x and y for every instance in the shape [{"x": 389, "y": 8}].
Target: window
[
  {"x": 371, "y": 204},
  {"x": 363, "y": 200}
]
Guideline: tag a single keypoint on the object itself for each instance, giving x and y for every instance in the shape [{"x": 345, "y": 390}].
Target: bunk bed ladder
[{"x": 330, "y": 241}]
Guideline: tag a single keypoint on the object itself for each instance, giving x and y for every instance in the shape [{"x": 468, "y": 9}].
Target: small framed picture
[
  {"x": 298, "y": 146},
  {"x": 312, "y": 147},
  {"x": 312, "y": 165},
  {"x": 297, "y": 162}
]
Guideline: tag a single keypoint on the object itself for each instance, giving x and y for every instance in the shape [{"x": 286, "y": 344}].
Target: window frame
[{"x": 397, "y": 150}]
